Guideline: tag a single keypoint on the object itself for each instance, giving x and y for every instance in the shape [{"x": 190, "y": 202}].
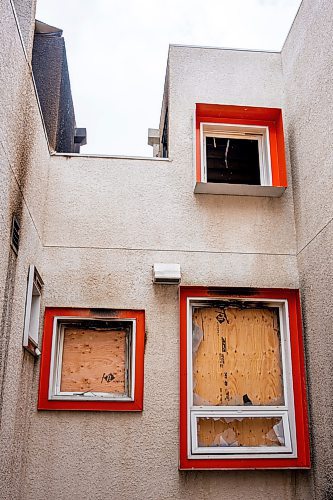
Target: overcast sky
[{"x": 117, "y": 54}]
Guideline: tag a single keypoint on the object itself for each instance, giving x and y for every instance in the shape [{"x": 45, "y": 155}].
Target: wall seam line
[
  {"x": 315, "y": 236},
  {"x": 174, "y": 250}
]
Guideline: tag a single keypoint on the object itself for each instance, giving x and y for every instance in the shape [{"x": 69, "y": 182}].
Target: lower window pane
[
  {"x": 95, "y": 359},
  {"x": 236, "y": 432}
]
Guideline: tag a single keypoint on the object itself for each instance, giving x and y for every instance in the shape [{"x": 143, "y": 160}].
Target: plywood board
[
  {"x": 249, "y": 431},
  {"x": 94, "y": 361},
  {"x": 236, "y": 356}
]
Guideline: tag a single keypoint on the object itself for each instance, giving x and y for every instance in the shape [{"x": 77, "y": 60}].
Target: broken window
[
  {"x": 235, "y": 154},
  {"x": 91, "y": 360},
  {"x": 240, "y": 399},
  {"x": 239, "y": 150}
]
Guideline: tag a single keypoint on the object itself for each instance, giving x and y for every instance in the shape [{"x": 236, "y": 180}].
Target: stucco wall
[
  {"x": 107, "y": 221},
  {"x": 23, "y": 176},
  {"x": 25, "y": 11},
  {"x": 307, "y": 67}
]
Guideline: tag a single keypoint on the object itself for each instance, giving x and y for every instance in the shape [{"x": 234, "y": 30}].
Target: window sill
[{"x": 238, "y": 189}]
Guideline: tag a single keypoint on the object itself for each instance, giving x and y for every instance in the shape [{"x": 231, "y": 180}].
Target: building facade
[{"x": 94, "y": 227}]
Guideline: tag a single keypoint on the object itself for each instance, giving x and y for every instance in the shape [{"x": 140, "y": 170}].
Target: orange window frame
[
  {"x": 246, "y": 115},
  {"x": 44, "y": 403},
  {"x": 302, "y": 461}
]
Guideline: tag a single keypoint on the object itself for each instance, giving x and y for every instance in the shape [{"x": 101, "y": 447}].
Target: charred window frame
[{"x": 92, "y": 359}]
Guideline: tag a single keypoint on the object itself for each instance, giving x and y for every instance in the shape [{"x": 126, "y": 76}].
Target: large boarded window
[
  {"x": 238, "y": 378},
  {"x": 237, "y": 355},
  {"x": 92, "y": 360}
]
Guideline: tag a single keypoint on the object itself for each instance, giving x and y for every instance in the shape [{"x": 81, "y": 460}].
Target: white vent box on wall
[{"x": 166, "y": 274}]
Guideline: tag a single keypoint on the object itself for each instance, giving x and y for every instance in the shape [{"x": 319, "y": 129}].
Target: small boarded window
[
  {"x": 237, "y": 375},
  {"x": 92, "y": 361}
]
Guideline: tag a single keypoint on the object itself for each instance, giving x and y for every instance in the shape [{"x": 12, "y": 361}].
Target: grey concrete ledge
[
  {"x": 234, "y": 49},
  {"x": 116, "y": 157}
]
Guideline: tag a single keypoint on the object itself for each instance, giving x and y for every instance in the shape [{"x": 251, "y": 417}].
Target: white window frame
[
  {"x": 285, "y": 411},
  {"x": 32, "y": 309},
  {"x": 234, "y": 131},
  {"x": 59, "y": 324}
]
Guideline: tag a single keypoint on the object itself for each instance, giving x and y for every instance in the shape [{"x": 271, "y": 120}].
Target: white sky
[{"x": 117, "y": 54}]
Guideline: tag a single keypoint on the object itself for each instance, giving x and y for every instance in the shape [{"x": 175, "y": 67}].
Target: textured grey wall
[
  {"x": 23, "y": 175},
  {"x": 307, "y": 68},
  {"x": 25, "y": 11}
]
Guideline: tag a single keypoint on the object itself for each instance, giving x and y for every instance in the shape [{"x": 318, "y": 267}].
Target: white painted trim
[
  {"x": 244, "y": 451},
  {"x": 237, "y": 131},
  {"x": 59, "y": 324},
  {"x": 286, "y": 409},
  {"x": 28, "y": 301},
  {"x": 32, "y": 307}
]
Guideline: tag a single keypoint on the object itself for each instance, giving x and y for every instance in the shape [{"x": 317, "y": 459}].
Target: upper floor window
[{"x": 239, "y": 150}]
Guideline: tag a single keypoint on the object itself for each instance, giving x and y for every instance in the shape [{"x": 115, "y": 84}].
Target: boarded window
[
  {"x": 94, "y": 360},
  {"x": 237, "y": 356}
]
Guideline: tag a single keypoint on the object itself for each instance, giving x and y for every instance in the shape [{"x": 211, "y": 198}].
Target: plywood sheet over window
[
  {"x": 94, "y": 360},
  {"x": 237, "y": 356}
]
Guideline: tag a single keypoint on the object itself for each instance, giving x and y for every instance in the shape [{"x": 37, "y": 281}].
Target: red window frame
[
  {"x": 247, "y": 115},
  {"x": 44, "y": 403},
  {"x": 298, "y": 374}
]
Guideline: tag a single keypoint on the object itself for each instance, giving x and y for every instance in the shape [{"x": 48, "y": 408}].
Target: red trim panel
[
  {"x": 298, "y": 372},
  {"x": 45, "y": 404},
  {"x": 247, "y": 115}
]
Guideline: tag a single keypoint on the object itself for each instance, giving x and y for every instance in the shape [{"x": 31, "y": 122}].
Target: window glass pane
[
  {"x": 237, "y": 355},
  {"x": 95, "y": 359},
  {"x": 247, "y": 431},
  {"x": 234, "y": 161}
]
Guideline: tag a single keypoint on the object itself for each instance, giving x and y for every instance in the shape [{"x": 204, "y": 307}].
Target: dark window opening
[
  {"x": 165, "y": 146},
  {"x": 232, "y": 161}
]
